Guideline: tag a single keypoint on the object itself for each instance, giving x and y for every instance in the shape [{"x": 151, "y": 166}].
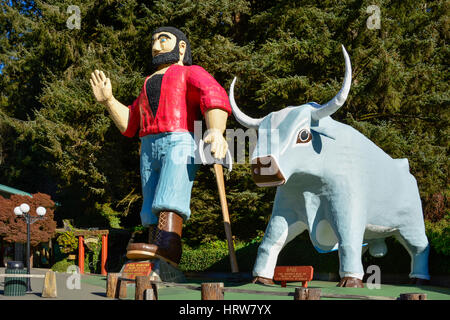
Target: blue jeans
[{"x": 167, "y": 174}]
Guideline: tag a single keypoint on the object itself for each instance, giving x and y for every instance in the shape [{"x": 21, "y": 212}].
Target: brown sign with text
[
  {"x": 294, "y": 274},
  {"x": 133, "y": 269}
]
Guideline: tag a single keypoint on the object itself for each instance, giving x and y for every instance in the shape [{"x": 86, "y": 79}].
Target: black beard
[{"x": 166, "y": 58}]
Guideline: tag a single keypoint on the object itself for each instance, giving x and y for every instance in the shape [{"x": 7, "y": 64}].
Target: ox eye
[{"x": 304, "y": 136}]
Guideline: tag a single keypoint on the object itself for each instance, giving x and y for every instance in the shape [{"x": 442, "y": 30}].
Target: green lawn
[
  {"x": 328, "y": 287},
  {"x": 433, "y": 293}
]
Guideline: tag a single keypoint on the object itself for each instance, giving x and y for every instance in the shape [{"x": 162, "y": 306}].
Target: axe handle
[{"x": 226, "y": 217}]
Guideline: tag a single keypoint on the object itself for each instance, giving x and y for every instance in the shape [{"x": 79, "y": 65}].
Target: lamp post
[{"x": 23, "y": 211}]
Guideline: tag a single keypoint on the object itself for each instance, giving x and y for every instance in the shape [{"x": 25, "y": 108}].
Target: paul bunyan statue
[
  {"x": 336, "y": 184},
  {"x": 171, "y": 100}
]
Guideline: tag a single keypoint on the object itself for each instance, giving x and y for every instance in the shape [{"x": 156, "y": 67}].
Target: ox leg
[
  {"x": 416, "y": 243},
  {"x": 351, "y": 269},
  {"x": 284, "y": 225}
]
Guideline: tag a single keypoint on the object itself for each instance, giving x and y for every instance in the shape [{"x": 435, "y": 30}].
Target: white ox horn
[
  {"x": 334, "y": 104},
  {"x": 241, "y": 117}
]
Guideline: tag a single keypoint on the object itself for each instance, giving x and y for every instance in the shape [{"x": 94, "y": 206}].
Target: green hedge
[
  {"x": 61, "y": 266},
  {"x": 201, "y": 259},
  {"x": 438, "y": 234},
  {"x": 214, "y": 257}
]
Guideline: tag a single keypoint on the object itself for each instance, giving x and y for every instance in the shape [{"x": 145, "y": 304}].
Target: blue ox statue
[{"x": 337, "y": 184}]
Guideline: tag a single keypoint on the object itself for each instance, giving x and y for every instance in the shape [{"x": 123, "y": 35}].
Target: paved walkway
[{"x": 92, "y": 287}]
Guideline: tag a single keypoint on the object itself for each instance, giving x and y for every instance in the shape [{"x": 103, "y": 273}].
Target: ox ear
[{"x": 323, "y": 131}]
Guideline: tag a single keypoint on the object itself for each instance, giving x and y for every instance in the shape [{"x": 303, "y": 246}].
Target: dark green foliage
[
  {"x": 55, "y": 138},
  {"x": 213, "y": 256},
  {"x": 67, "y": 242},
  {"x": 439, "y": 235},
  {"x": 202, "y": 259},
  {"x": 93, "y": 247}
]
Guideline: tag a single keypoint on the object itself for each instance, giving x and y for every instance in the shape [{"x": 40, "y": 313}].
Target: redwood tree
[{"x": 14, "y": 228}]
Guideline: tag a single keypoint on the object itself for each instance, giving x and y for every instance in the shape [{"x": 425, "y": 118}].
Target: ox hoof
[
  {"x": 350, "y": 282},
  {"x": 262, "y": 280},
  {"x": 419, "y": 282}
]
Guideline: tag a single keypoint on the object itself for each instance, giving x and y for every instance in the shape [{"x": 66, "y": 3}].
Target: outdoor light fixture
[
  {"x": 24, "y": 208},
  {"x": 17, "y": 211},
  {"x": 41, "y": 211},
  {"x": 22, "y": 211}
]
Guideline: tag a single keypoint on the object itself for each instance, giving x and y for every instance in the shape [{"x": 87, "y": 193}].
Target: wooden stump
[
  {"x": 142, "y": 284},
  {"x": 122, "y": 289},
  {"x": 112, "y": 289},
  {"x": 49, "y": 290},
  {"x": 413, "y": 296},
  {"x": 212, "y": 291},
  {"x": 307, "y": 294},
  {"x": 151, "y": 294}
]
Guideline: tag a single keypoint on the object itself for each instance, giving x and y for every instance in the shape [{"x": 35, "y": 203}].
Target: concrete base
[
  {"x": 162, "y": 271},
  {"x": 166, "y": 272}
]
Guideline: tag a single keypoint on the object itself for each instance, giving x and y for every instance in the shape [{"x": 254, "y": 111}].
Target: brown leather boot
[
  {"x": 350, "y": 282},
  {"x": 262, "y": 280},
  {"x": 167, "y": 244}
]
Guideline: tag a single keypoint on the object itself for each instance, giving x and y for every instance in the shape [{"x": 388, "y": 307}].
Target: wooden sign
[
  {"x": 294, "y": 274},
  {"x": 93, "y": 240},
  {"x": 133, "y": 269}
]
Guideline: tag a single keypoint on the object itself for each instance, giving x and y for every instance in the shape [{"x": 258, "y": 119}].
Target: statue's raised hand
[{"x": 101, "y": 86}]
